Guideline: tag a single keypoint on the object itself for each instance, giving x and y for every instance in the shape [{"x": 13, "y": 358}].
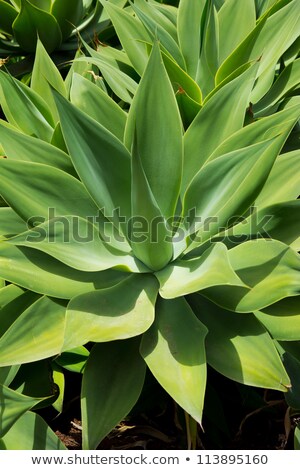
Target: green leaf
[
  {"x": 41, "y": 187},
  {"x": 279, "y": 222},
  {"x": 77, "y": 243},
  {"x": 36, "y": 334},
  {"x": 119, "y": 82},
  {"x": 90, "y": 99},
  {"x": 175, "y": 353},
  {"x": 7, "y": 16},
  {"x": 287, "y": 81},
  {"x": 120, "y": 312},
  {"x": 270, "y": 268},
  {"x": 117, "y": 372},
  {"x": 31, "y": 23},
  {"x": 158, "y": 17},
  {"x": 282, "y": 319},
  {"x": 209, "y": 57},
  {"x": 13, "y": 406},
  {"x": 73, "y": 360},
  {"x": 292, "y": 365},
  {"x": 149, "y": 235},
  {"x": 239, "y": 347},
  {"x": 21, "y": 437},
  {"x": 236, "y": 21},
  {"x": 157, "y": 32},
  {"x": 12, "y": 310},
  {"x": 7, "y": 374},
  {"x": 19, "y": 146},
  {"x": 45, "y": 76},
  {"x": 132, "y": 35},
  {"x": 265, "y": 128},
  {"x": 90, "y": 144},
  {"x": 158, "y": 152},
  {"x": 25, "y": 109},
  {"x": 10, "y": 222},
  {"x": 189, "y": 33},
  {"x": 59, "y": 380},
  {"x": 297, "y": 438},
  {"x": 9, "y": 293},
  {"x": 283, "y": 183},
  {"x": 39, "y": 272},
  {"x": 225, "y": 188},
  {"x": 185, "y": 277},
  {"x": 68, "y": 14},
  {"x": 199, "y": 140},
  {"x": 256, "y": 44}
]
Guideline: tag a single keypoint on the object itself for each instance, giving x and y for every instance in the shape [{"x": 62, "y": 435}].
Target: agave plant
[
  {"x": 56, "y": 23},
  {"x": 162, "y": 247}
]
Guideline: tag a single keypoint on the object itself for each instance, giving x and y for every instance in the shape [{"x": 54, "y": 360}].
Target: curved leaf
[
  {"x": 68, "y": 14},
  {"x": 269, "y": 267},
  {"x": 31, "y": 23},
  {"x": 39, "y": 272},
  {"x": 13, "y": 406},
  {"x": 21, "y": 437},
  {"x": 25, "y": 109},
  {"x": 77, "y": 243},
  {"x": 199, "y": 140},
  {"x": 239, "y": 347},
  {"x": 7, "y": 16},
  {"x": 37, "y": 333},
  {"x": 117, "y": 371},
  {"x": 158, "y": 152},
  {"x": 97, "y": 104},
  {"x": 282, "y": 319},
  {"x": 120, "y": 312},
  {"x": 101, "y": 160},
  {"x": 10, "y": 222},
  {"x": 185, "y": 277},
  {"x": 175, "y": 353}
]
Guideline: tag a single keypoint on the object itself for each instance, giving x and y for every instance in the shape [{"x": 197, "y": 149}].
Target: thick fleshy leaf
[
  {"x": 185, "y": 277},
  {"x": 88, "y": 97},
  {"x": 19, "y": 146},
  {"x": 283, "y": 183},
  {"x": 256, "y": 44},
  {"x": 21, "y": 437},
  {"x": 175, "y": 353},
  {"x": 297, "y": 438},
  {"x": 120, "y": 83},
  {"x": 7, "y": 374},
  {"x": 236, "y": 21},
  {"x": 120, "y": 312},
  {"x": 36, "y": 334},
  {"x": 77, "y": 243},
  {"x": 282, "y": 319},
  {"x": 73, "y": 360},
  {"x": 199, "y": 140},
  {"x": 10, "y": 222},
  {"x": 117, "y": 372},
  {"x": 158, "y": 152},
  {"x": 270, "y": 268},
  {"x": 131, "y": 33},
  {"x": 158, "y": 17},
  {"x": 59, "y": 381},
  {"x": 31, "y": 23},
  {"x": 12, "y": 310},
  {"x": 43, "y": 192},
  {"x": 279, "y": 222},
  {"x": 44, "y": 76},
  {"x": 239, "y": 347},
  {"x": 292, "y": 365},
  {"x": 209, "y": 57},
  {"x": 158, "y": 32},
  {"x": 189, "y": 34},
  {"x": 225, "y": 188},
  {"x": 13, "y": 406},
  {"x": 9, "y": 293},
  {"x": 68, "y": 14},
  {"x": 7, "y": 16},
  {"x": 101, "y": 160},
  {"x": 286, "y": 82},
  {"x": 43, "y": 274},
  {"x": 262, "y": 129},
  {"x": 148, "y": 232},
  {"x": 25, "y": 109}
]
